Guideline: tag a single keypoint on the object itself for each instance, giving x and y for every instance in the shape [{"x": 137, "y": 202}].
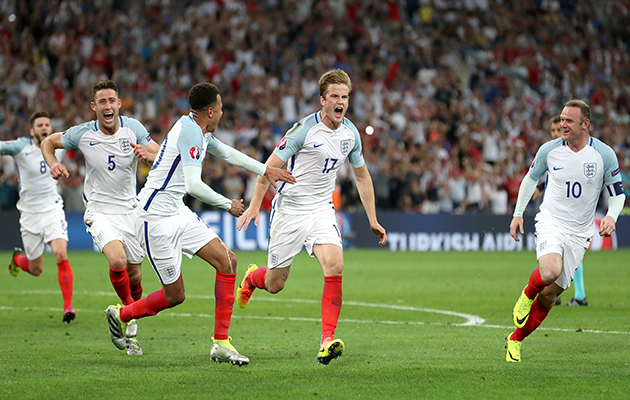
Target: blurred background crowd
[{"x": 459, "y": 93}]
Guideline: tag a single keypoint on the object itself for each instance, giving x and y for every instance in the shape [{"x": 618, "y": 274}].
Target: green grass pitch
[{"x": 415, "y": 325}]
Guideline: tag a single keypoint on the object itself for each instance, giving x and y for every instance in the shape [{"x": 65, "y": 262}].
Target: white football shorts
[
  {"x": 39, "y": 228},
  {"x": 288, "y": 233},
  {"x": 166, "y": 238},
  {"x": 105, "y": 228},
  {"x": 550, "y": 239}
]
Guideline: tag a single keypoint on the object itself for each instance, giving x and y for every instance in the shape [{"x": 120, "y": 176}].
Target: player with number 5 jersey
[
  {"x": 111, "y": 146},
  {"x": 579, "y": 166},
  {"x": 42, "y": 218}
]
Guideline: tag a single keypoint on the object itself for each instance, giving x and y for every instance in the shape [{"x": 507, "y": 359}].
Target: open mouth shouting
[{"x": 108, "y": 116}]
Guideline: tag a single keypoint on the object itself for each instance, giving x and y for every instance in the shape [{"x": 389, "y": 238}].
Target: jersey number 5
[{"x": 111, "y": 164}]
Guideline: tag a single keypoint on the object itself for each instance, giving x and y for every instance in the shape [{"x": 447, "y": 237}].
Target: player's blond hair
[{"x": 335, "y": 76}]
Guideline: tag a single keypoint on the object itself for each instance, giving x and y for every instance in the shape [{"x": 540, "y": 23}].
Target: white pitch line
[{"x": 471, "y": 320}]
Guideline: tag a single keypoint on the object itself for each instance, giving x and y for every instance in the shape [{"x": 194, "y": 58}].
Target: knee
[
  {"x": 229, "y": 265},
  {"x": 549, "y": 275},
  {"x": 335, "y": 269},
  {"x": 118, "y": 263},
  {"x": 135, "y": 275},
  {"x": 35, "y": 269},
  {"x": 274, "y": 286},
  {"x": 174, "y": 299},
  {"x": 60, "y": 256}
]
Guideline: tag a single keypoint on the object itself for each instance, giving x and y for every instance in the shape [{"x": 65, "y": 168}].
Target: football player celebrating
[
  {"x": 579, "y": 167},
  {"x": 303, "y": 214},
  {"x": 42, "y": 218}
]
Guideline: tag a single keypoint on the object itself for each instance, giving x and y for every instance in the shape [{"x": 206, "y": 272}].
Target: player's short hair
[
  {"x": 335, "y": 76},
  {"x": 38, "y": 114},
  {"x": 102, "y": 85},
  {"x": 202, "y": 96},
  {"x": 584, "y": 108},
  {"x": 555, "y": 119}
]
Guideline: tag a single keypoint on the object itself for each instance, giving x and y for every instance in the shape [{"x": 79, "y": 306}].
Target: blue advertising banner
[{"x": 406, "y": 232}]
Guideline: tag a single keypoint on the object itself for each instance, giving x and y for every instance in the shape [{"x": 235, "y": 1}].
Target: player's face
[
  {"x": 572, "y": 124},
  {"x": 106, "y": 104},
  {"x": 335, "y": 104},
  {"x": 41, "y": 129},
  {"x": 217, "y": 113},
  {"x": 556, "y": 132}
]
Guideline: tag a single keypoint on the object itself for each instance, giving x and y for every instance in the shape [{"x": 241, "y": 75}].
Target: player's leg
[
  {"x": 32, "y": 232},
  {"x": 135, "y": 279},
  {"x": 118, "y": 275},
  {"x": 217, "y": 254},
  {"x": 65, "y": 277},
  {"x": 330, "y": 258},
  {"x": 579, "y": 298}
]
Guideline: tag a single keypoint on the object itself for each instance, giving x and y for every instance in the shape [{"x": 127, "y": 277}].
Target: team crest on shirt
[
  {"x": 590, "y": 169},
  {"x": 124, "y": 145},
  {"x": 195, "y": 153},
  {"x": 345, "y": 147}
]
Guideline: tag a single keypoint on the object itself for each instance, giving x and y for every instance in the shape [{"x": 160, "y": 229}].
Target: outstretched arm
[
  {"x": 525, "y": 191},
  {"x": 366, "y": 193},
  {"x": 197, "y": 188},
  {"x": 262, "y": 184},
  {"x": 48, "y": 147},
  {"x": 235, "y": 157}
]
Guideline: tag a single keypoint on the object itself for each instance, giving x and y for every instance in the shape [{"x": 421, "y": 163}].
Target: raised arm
[
  {"x": 366, "y": 194},
  {"x": 48, "y": 146},
  {"x": 262, "y": 184}
]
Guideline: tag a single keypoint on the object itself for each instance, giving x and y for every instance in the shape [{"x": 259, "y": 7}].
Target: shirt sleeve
[
  {"x": 12, "y": 147},
  {"x": 142, "y": 135},
  {"x": 356, "y": 154},
  {"x": 71, "y": 138},
  {"x": 292, "y": 141},
  {"x": 189, "y": 145}
]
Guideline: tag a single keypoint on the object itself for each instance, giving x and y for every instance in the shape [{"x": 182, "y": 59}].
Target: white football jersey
[
  {"x": 38, "y": 190},
  {"x": 314, "y": 153},
  {"x": 164, "y": 190},
  {"x": 574, "y": 183},
  {"x": 110, "y": 179}
]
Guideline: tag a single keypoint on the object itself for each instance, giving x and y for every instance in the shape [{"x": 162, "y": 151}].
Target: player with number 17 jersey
[{"x": 314, "y": 153}]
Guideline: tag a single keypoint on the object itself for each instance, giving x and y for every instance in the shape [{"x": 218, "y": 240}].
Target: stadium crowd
[{"x": 458, "y": 93}]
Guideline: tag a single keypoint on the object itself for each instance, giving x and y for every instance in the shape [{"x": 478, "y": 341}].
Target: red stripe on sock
[
  {"x": 66, "y": 281},
  {"x": 120, "y": 282},
  {"x": 148, "y": 306},
  {"x": 224, "y": 301}
]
